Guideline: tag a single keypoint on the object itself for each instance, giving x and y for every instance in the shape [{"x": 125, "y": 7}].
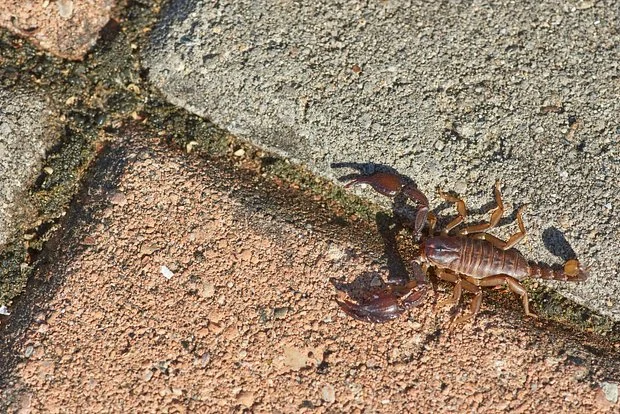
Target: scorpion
[{"x": 470, "y": 259}]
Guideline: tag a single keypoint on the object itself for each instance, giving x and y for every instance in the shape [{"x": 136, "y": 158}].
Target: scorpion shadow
[
  {"x": 363, "y": 168},
  {"x": 556, "y": 244}
]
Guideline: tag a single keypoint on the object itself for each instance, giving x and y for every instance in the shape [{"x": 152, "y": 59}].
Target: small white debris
[
  {"x": 147, "y": 375},
  {"x": 328, "y": 393},
  {"x": 239, "y": 153},
  {"x": 65, "y": 8},
  {"x": 48, "y": 170},
  {"x": 4, "y": 310},
  {"x": 189, "y": 147},
  {"x": 29, "y": 351},
  {"x": 460, "y": 187},
  {"x": 584, "y": 4},
  {"x": 376, "y": 281},
  {"x": 610, "y": 389},
  {"x": 468, "y": 131},
  {"x": 335, "y": 253},
  {"x": 208, "y": 290},
  {"x": 166, "y": 272}
]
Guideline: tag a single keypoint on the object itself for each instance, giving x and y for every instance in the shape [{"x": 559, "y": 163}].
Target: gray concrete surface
[
  {"x": 25, "y": 134},
  {"x": 456, "y": 94}
]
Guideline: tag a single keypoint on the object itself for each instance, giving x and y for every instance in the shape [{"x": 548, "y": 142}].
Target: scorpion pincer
[{"x": 471, "y": 258}]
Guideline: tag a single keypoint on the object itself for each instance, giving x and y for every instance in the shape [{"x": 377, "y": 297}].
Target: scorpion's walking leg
[
  {"x": 511, "y": 282},
  {"x": 496, "y": 214},
  {"x": 462, "y": 282},
  {"x": 514, "y": 239},
  {"x": 460, "y": 207},
  {"x": 459, "y": 285},
  {"x": 474, "y": 308}
]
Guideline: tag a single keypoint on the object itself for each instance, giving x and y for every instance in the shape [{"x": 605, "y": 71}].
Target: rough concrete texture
[
  {"x": 66, "y": 28},
  {"x": 26, "y": 132},
  {"x": 178, "y": 294},
  {"x": 455, "y": 94}
]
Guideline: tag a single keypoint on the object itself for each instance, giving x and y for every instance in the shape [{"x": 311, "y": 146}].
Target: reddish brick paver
[{"x": 247, "y": 320}]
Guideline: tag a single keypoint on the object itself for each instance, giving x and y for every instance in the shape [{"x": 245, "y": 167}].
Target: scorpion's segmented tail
[{"x": 572, "y": 272}]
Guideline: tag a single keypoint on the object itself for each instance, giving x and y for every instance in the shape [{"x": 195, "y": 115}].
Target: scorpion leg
[
  {"x": 512, "y": 283},
  {"x": 432, "y": 221},
  {"x": 460, "y": 207},
  {"x": 496, "y": 214},
  {"x": 462, "y": 283},
  {"x": 459, "y": 285},
  {"x": 474, "y": 308},
  {"x": 514, "y": 239},
  {"x": 456, "y": 292}
]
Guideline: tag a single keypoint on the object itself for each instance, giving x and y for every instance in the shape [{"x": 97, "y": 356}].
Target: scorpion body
[
  {"x": 471, "y": 259},
  {"x": 474, "y": 258},
  {"x": 479, "y": 259}
]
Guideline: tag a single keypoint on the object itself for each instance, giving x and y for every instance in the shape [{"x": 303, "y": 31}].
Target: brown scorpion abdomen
[{"x": 475, "y": 257}]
